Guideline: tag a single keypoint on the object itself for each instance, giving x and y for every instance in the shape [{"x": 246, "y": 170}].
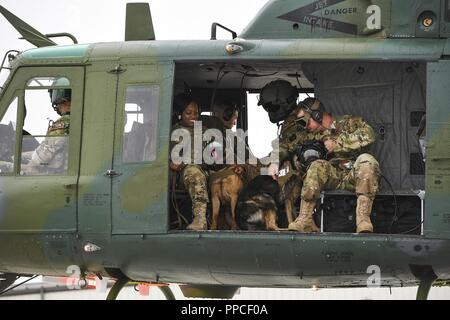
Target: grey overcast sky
[{"x": 104, "y": 20}]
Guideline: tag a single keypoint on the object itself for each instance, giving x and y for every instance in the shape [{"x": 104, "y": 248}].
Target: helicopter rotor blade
[{"x": 28, "y": 32}]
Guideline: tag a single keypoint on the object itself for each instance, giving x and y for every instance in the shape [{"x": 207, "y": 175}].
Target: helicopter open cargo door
[
  {"x": 437, "y": 214},
  {"x": 140, "y": 168}
]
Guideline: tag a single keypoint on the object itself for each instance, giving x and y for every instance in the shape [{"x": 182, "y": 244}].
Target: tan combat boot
[
  {"x": 363, "y": 210},
  {"x": 199, "y": 223},
  {"x": 304, "y": 221}
]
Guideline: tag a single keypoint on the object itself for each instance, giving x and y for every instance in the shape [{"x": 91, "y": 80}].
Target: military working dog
[
  {"x": 257, "y": 207},
  {"x": 225, "y": 186}
]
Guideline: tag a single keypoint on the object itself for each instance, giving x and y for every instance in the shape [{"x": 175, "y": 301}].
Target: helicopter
[{"x": 109, "y": 211}]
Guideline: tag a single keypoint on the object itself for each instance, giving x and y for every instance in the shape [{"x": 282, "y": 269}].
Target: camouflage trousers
[
  {"x": 194, "y": 179},
  {"x": 362, "y": 178}
]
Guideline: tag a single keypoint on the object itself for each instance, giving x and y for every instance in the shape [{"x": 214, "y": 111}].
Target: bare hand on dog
[
  {"x": 273, "y": 171},
  {"x": 176, "y": 167},
  {"x": 330, "y": 145}
]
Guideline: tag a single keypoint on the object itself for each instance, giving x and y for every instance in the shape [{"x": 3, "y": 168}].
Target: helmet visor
[
  {"x": 271, "y": 108},
  {"x": 59, "y": 96}
]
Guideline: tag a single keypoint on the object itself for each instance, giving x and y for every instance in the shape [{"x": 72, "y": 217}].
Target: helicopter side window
[
  {"x": 45, "y": 140},
  {"x": 140, "y": 125},
  {"x": 8, "y": 138}
]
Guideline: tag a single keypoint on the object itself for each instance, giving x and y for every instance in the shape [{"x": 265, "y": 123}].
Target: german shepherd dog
[
  {"x": 225, "y": 186},
  {"x": 257, "y": 205}
]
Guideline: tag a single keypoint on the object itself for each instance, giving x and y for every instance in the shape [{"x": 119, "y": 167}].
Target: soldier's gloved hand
[{"x": 273, "y": 171}]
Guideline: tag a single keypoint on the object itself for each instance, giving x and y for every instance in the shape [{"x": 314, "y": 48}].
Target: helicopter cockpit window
[
  {"x": 8, "y": 138},
  {"x": 47, "y": 82},
  {"x": 45, "y": 141},
  {"x": 140, "y": 125}
]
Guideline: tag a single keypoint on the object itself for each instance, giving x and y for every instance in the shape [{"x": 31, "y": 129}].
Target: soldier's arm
[
  {"x": 47, "y": 150},
  {"x": 26, "y": 156},
  {"x": 284, "y": 152},
  {"x": 362, "y": 136}
]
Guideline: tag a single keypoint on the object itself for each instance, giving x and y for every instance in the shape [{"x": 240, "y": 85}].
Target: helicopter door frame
[
  {"x": 437, "y": 220},
  {"x": 445, "y": 19},
  {"x": 140, "y": 187},
  {"x": 35, "y": 202}
]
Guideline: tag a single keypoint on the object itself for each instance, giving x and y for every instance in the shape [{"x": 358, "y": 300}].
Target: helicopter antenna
[
  {"x": 28, "y": 32},
  {"x": 139, "y": 24}
]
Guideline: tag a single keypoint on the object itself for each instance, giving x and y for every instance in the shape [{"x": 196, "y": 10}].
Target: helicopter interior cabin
[{"x": 390, "y": 96}]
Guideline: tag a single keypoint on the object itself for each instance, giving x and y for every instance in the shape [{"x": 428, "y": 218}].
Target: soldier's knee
[
  {"x": 315, "y": 180},
  {"x": 311, "y": 190},
  {"x": 366, "y": 165},
  {"x": 318, "y": 167},
  {"x": 367, "y": 175},
  {"x": 310, "y": 195},
  {"x": 194, "y": 174},
  {"x": 319, "y": 164},
  {"x": 195, "y": 182},
  {"x": 367, "y": 162}
]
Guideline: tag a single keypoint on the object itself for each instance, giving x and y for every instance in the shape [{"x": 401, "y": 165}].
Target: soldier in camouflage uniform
[
  {"x": 346, "y": 138},
  {"x": 351, "y": 168},
  {"x": 51, "y": 156},
  {"x": 193, "y": 175},
  {"x": 279, "y": 99},
  {"x": 224, "y": 118}
]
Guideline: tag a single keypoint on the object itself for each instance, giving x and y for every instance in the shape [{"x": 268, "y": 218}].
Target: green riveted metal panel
[{"x": 437, "y": 218}]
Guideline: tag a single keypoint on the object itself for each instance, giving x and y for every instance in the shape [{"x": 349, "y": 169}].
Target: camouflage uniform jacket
[
  {"x": 51, "y": 156},
  {"x": 292, "y": 135},
  {"x": 353, "y": 137},
  {"x": 60, "y": 127}
]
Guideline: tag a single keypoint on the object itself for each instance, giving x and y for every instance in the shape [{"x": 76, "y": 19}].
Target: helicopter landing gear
[
  {"x": 167, "y": 292},
  {"x": 121, "y": 282},
  {"x": 424, "y": 289},
  {"x": 114, "y": 292},
  {"x": 426, "y": 277}
]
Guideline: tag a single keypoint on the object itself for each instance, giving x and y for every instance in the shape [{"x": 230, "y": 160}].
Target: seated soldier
[
  {"x": 351, "y": 168},
  {"x": 51, "y": 156},
  {"x": 224, "y": 118},
  {"x": 193, "y": 175}
]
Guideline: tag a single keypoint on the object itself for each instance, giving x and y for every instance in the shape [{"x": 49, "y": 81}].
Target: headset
[
  {"x": 229, "y": 112},
  {"x": 315, "y": 111}
]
